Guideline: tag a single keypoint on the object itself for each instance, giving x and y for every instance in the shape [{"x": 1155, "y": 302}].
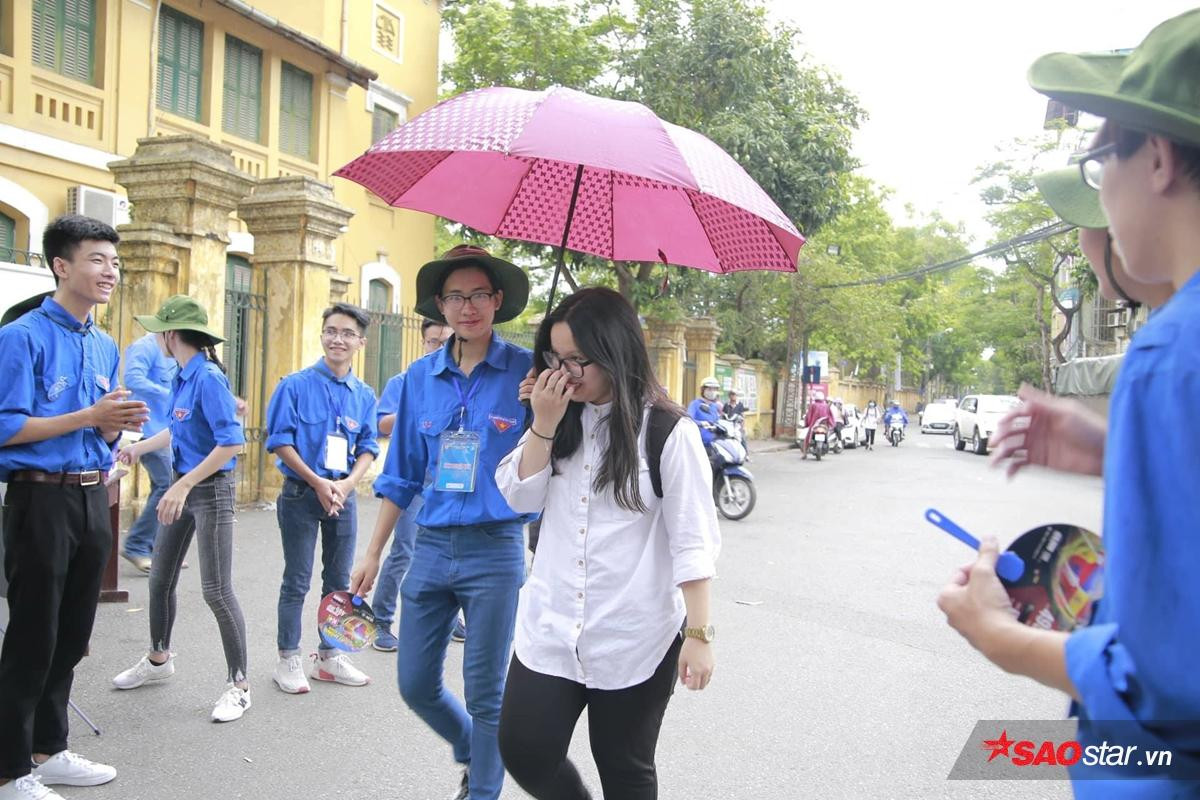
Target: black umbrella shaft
[{"x": 562, "y": 248}]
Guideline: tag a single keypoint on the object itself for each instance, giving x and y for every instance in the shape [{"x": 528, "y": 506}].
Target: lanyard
[
  {"x": 335, "y": 405},
  {"x": 466, "y": 397}
]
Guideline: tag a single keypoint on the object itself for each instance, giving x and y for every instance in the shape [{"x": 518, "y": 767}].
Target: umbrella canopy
[{"x": 600, "y": 176}]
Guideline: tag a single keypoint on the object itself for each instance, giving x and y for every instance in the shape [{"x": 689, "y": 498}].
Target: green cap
[
  {"x": 1073, "y": 200},
  {"x": 1154, "y": 89},
  {"x": 179, "y": 313}
]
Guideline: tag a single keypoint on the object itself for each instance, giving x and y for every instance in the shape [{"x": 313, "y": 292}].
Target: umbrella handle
[{"x": 562, "y": 248}]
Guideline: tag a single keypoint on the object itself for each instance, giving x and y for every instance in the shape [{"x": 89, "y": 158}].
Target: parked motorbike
[
  {"x": 895, "y": 432},
  {"x": 733, "y": 485}
]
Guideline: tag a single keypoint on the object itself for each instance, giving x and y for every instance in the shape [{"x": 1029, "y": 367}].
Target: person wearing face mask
[
  {"x": 871, "y": 419},
  {"x": 705, "y": 410}
]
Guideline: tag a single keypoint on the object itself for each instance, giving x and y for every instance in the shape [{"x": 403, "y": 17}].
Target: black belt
[
  {"x": 92, "y": 477},
  {"x": 209, "y": 479}
]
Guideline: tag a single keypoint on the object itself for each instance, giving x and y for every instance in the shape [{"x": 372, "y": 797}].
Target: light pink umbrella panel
[{"x": 600, "y": 176}]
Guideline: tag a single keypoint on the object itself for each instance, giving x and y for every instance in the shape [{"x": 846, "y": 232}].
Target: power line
[{"x": 1038, "y": 235}]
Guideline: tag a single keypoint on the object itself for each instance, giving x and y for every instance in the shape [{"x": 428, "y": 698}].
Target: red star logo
[{"x": 999, "y": 747}]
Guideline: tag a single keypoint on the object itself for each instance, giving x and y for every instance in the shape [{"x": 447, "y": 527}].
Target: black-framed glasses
[
  {"x": 573, "y": 365},
  {"x": 345, "y": 334},
  {"x": 476, "y": 299},
  {"x": 1091, "y": 164}
]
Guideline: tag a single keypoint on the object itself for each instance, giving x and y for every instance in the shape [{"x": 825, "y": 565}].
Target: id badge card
[
  {"x": 337, "y": 453},
  {"x": 458, "y": 457}
]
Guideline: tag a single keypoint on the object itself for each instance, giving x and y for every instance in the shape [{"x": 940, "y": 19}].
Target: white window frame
[{"x": 379, "y": 270}]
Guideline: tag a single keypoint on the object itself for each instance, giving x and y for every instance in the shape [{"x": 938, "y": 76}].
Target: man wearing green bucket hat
[
  {"x": 456, "y": 417},
  {"x": 1132, "y": 672}
]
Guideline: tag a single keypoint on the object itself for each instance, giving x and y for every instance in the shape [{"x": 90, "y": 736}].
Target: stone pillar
[
  {"x": 295, "y": 221},
  {"x": 665, "y": 341},
  {"x": 701, "y": 336},
  {"x": 181, "y": 190},
  {"x": 764, "y": 415}
]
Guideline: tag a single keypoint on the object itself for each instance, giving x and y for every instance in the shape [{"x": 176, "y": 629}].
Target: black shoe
[{"x": 464, "y": 790}]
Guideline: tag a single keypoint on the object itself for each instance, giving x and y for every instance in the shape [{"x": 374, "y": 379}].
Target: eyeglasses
[
  {"x": 455, "y": 302},
  {"x": 345, "y": 334},
  {"x": 573, "y": 366},
  {"x": 433, "y": 342},
  {"x": 1091, "y": 165}
]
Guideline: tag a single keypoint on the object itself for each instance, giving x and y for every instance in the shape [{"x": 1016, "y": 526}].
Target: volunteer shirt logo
[
  {"x": 503, "y": 424},
  {"x": 102, "y": 382},
  {"x": 58, "y": 387},
  {"x": 182, "y": 413},
  {"x": 351, "y": 424}
]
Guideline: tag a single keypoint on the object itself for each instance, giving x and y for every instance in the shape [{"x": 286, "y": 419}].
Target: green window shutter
[
  {"x": 243, "y": 90},
  {"x": 383, "y": 122},
  {"x": 8, "y": 237},
  {"x": 64, "y": 34},
  {"x": 46, "y": 22},
  {"x": 295, "y": 112},
  {"x": 180, "y": 63}
]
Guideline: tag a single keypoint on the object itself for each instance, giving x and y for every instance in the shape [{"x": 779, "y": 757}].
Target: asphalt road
[{"x": 836, "y": 675}]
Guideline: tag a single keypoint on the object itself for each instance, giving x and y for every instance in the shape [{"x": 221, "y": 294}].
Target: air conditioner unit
[
  {"x": 108, "y": 207},
  {"x": 1115, "y": 319}
]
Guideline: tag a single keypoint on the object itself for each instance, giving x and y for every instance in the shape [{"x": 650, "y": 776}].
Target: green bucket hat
[
  {"x": 1072, "y": 199},
  {"x": 179, "y": 313},
  {"x": 506, "y": 277},
  {"x": 1153, "y": 91}
]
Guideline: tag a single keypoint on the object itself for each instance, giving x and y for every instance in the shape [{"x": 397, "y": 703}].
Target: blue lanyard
[{"x": 464, "y": 398}]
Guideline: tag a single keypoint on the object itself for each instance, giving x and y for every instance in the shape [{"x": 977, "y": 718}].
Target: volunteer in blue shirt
[
  {"x": 1132, "y": 672},
  {"x": 60, "y": 414},
  {"x": 458, "y": 415},
  {"x": 383, "y": 602},
  {"x": 321, "y": 425},
  {"x": 205, "y": 437},
  {"x": 148, "y": 374}
]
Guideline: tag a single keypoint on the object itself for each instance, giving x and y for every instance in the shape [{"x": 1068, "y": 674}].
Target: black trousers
[
  {"x": 57, "y": 541},
  {"x": 537, "y": 720}
]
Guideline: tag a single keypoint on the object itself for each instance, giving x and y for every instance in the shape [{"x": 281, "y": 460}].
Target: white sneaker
[
  {"x": 289, "y": 675},
  {"x": 232, "y": 705},
  {"x": 72, "y": 769},
  {"x": 338, "y": 669},
  {"x": 143, "y": 672},
  {"x": 27, "y": 787}
]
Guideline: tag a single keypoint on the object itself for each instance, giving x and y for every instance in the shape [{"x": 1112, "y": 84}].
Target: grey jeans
[{"x": 208, "y": 514}]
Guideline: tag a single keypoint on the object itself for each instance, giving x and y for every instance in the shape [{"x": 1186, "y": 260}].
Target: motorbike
[
  {"x": 733, "y": 485},
  {"x": 819, "y": 440},
  {"x": 895, "y": 432}
]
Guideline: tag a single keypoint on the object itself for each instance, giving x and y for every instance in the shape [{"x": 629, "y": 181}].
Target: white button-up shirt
[{"x": 603, "y": 603}]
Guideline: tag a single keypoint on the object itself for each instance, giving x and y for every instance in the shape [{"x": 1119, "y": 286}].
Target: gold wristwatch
[{"x": 705, "y": 633}]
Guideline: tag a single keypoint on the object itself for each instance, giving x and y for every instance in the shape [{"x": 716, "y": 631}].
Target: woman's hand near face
[{"x": 552, "y": 392}]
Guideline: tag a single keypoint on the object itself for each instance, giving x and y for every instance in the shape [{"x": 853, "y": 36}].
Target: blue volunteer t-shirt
[{"x": 203, "y": 415}]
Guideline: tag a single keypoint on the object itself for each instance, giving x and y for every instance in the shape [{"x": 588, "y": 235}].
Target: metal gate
[{"x": 245, "y": 355}]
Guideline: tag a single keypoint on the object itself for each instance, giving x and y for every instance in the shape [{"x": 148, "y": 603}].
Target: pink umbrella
[{"x": 600, "y": 176}]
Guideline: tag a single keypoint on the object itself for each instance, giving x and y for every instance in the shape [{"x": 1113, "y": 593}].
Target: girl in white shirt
[{"x": 621, "y": 574}]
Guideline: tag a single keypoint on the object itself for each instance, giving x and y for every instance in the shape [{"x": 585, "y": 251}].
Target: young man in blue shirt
[
  {"x": 1132, "y": 672},
  {"x": 321, "y": 425},
  {"x": 457, "y": 416},
  {"x": 148, "y": 375},
  {"x": 433, "y": 335},
  {"x": 61, "y": 413}
]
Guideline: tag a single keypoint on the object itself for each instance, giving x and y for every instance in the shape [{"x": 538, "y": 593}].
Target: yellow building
[{"x": 209, "y": 126}]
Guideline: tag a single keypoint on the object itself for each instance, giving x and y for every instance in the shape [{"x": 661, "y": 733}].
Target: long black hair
[{"x": 607, "y": 332}]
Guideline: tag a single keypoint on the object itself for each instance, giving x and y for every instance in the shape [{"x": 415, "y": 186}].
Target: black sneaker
[{"x": 464, "y": 789}]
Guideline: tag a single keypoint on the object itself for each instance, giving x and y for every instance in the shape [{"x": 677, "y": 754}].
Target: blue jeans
[
  {"x": 479, "y": 569},
  {"x": 140, "y": 539},
  {"x": 300, "y": 516},
  {"x": 395, "y": 567}
]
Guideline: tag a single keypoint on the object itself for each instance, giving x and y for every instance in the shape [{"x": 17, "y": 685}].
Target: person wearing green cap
[
  {"x": 205, "y": 436},
  {"x": 458, "y": 414},
  {"x": 1052, "y": 431},
  {"x": 1132, "y": 672}
]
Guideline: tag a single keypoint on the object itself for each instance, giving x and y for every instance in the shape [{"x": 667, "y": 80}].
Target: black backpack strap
[{"x": 658, "y": 427}]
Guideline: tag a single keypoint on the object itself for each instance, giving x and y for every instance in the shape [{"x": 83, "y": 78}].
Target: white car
[
  {"x": 938, "y": 417},
  {"x": 976, "y": 417}
]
